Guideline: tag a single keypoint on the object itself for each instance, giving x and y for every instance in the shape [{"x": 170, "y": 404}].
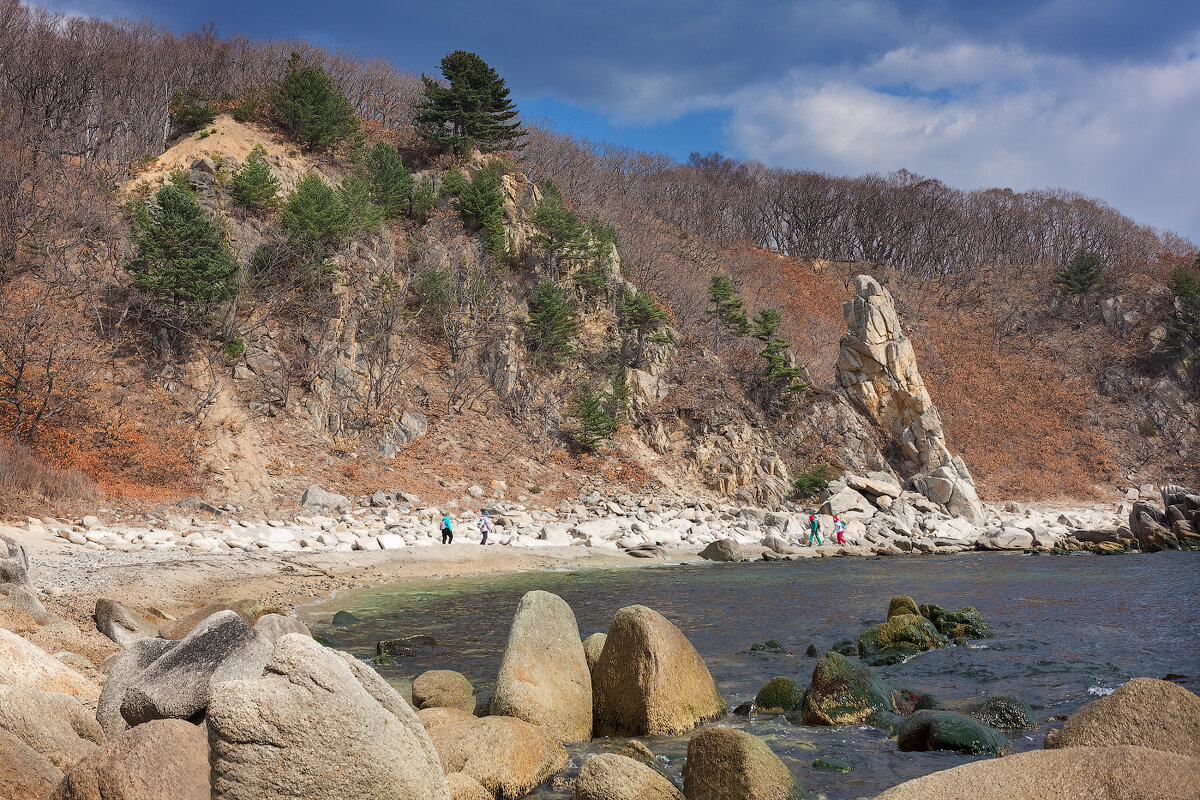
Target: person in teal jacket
[
  {"x": 447, "y": 530},
  {"x": 814, "y": 528}
]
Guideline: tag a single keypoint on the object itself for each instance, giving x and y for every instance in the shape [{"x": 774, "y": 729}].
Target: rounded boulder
[
  {"x": 844, "y": 692},
  {"x": 443, "y": 688},
  {"x": 1144, "y": 712},
  {"x": 730, "y": 764},
  {"x": 161, "y": 760},
  {"x": 609, "y": 776}
]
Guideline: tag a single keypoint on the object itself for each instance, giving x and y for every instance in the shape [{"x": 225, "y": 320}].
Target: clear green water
[{"x": 1068, "y": 629}]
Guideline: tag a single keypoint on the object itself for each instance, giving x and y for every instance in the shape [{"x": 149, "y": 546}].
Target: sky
[{"x": 1097, "y": 96}]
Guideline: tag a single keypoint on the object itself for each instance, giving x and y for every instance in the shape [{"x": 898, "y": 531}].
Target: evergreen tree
[
  {"x": 597, "y": 423},
  {"x": 552, "y": 324},
  {"x": 638, "y": 311},
  {"x": 1182, "y": 342},
  {"x": 391, "y": 182},
  {"x": 728, "y": 313},
  {"x": 474, "y": 110},
  {"x": 1082, "y": 274},
  {"x": 308, "y": 104},
  {"x": 560, "y": 233},
  {"x": 190, "y": 109},
  {"x": 315, "y": 217},
  {"x": 181, "y": 255},
  {"x": 424, "y": 197},
  {"x": 482, "y": 208},
  {"x": 255, "y": 185},
  {"x": 780, "y": 377}
]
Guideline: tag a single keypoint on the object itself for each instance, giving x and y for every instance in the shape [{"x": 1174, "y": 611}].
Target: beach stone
[
  {"x": 120, "y": 624},
  {"x": 902, "y": 605},
  {"x": 945, "y": 730},
  {"x": 593, "y": 646},
  {"x": 1004, "y": 712},
  {"x": 729, "y": 764},
  {"x": 182, "y": 627},
  {"x": 406, "y": 646},
  {"x": 23, "y": 664},
  {"x": 129, "y": 663},
  {"x": 178, "y": 685},
  {"x": 303, "y": 728},
  {"x": 464, "y": 787},
  {"x": 318, "y": 499},
  {"x": 55, "y": 725},
  {"x": 847, "y": 501},
  {"x": 24, "y": 773},
  {"x": 276, "y": 626},
  {"x": 897, "y": 639},
  {"x": 1125, "y": 772},
  {"x": 645, "y": 756},
  {"x": 162, "y": 760},
  {"x": 544, "y": 677},
  {"x": 723, "y": 550},
  {"x": 609, "y": 776},
  {"x": 778, "y": 544},
  {"x": 649, "y": 679},
  {"x": 1145, "y": 712},
  {"x": 443, "y": 688},
  {"x": 844, "y": 692},
  {"x": 779, "y": 696},
  {"x": 506, "y": 755}
]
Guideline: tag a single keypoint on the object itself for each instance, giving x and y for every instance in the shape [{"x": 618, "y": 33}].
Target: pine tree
[
  {"x": 482, "y": 208},
  {"x": 552, "y": 324},
  {"x": 355, "y": 194},
  {"x": 181, "y": 255},
  {"x": 781, "y": 379},
  {"x": 728, "y": 313},
  {"x": 560, "y": 233},
  {"x": 474, "y": 110},
  {"x": 307, "y": 103},
  {"x": 596, "y": 421},
  {"x": 1083, "y": 273},
  {"x": 391, "y": 182},
  {"x": 315, "y": 217},
  {"x": 424, "y": 197},
  {"x": 190, "y": 109},
  {"x": 1182, "y": 342},
  {"x": 638, "y": 311},
  {"x": 255, "y": 185}
]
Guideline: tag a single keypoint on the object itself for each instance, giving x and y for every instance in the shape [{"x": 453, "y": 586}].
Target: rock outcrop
[
  {"x": 161, "y": 760},
  {"x": 544, "y": 678},
  {"x": 877, "y": 370},
  {"x": 55, "y": 725}
]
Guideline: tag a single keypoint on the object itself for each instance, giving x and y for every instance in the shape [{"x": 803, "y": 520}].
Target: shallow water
[{"x": 1067, "y": 630}]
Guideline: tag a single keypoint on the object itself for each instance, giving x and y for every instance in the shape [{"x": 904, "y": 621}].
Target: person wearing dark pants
[
  {"x": 447, "y": 530},
  {"x": 485, "y": 525}
]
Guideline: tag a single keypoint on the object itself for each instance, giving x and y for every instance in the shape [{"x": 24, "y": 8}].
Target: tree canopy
[
  {"x": 474, "y": 110},
  {"x": 307, "y": 103}
]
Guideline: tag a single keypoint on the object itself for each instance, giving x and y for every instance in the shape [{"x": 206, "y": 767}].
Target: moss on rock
[
  {"x": 779, "y": 696},
  {"x": 946, "y": 730},
  {"x": 902, "y": 605},
  {"x": 844, "y": 692},
  {"x": 899, "y": 638}
]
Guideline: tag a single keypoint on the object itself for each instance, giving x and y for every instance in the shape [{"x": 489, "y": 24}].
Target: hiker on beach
[
  {"x": 485, "y": 525},
  {"x": 447, "y": 531},
  {"x": 814, "y": 528},
  {"x": 839, "y": 527}
]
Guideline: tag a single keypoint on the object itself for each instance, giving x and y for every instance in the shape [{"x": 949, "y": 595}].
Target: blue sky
[{"x": 1101, "y": 96}]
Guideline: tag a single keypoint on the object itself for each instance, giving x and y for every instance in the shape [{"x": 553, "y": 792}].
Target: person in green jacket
[{"x": 814, "y": 528}]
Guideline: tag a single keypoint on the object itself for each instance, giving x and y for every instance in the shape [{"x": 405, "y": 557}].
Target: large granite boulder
[
  {"x": 161, "y": 760},
  {"x": 179, "y": 683},
  {"x": 650, "y": 680},
  {"x": 945, "y": 730},
  {"x": 844, "y": 692},
  {"x": 609, "y": 776},
  {"x": 593, "y": 646},
  {"x": 730, "y": 764},
  {"x": 276, "y": 626},
  {"x": 544, "y": 677},
  {"x": 56, "y": 725},
  {"x": 24, "y": 773},
  {"x": 443, "y": 688},
  {"x": 180, "y": 628},
  {"x": 303, "y": 729},
  {"x": 1125, "y": 772},
  {"x": 900, "y": 638},
  {"x": 506, "y": 755},
  {"x": 723, "y": 550},
  {"x": 14, "y": 561},
  {"x": 1144, "y": 712},
  {"x": 877, "y": 371},
  {"x": 129, "y": 663},
  {"x": 464, "y": 787},
  {"x": 24, "y": 664},
  {"x": 120, "y": 624}
]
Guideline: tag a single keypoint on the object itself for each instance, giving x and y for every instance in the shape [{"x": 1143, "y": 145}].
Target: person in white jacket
[{"x": 485, "y": 525}]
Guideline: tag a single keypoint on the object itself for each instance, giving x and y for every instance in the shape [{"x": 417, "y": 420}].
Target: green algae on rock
[
  {"x": 901, "y": 637},
  {"x": 965, "y": 624},
  {"x": 779, "y": 696},
  {"x": 1004, "y": 712},
  {"x": 843, "y": 692},
  {"x": 946, "y": 730},
  {"x": 902, "y": 605}
]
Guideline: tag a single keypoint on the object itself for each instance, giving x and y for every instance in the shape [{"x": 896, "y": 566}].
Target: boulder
[
  {"x": 129, "y": 663},
  {"x": 23, "y": 597},
  {"x": 945, "y": 730},
  {"x": 730, "y": 764},
  {"x": 464, "y": 787},
  {"x": 900, "y": 638},
  {"x": 649, "y": 679},
  {"x": 1006, "y": 539},
  {"x": 407, "y": 646},
  {"x": 276, "y": 626},
  {"x": 318, "y": 499},
  {"x": 723, "y": 550},
  {"x": 593, "y": 646},
  {"x": 779, "y": 545},
  {"x": 303, "y": 728},
  {"x": 844, "y": 692},
  {"x": 847, "y": 501},
  {"x": 55, "y": 725},
  {"x": 24, "y": 773},
  {"x": 1004, "y": 712},
  {"x": 902, "y": 605},
  {"x": 180, "y": 628},
  {"x": 1144, "y": 712},
  {"x": 120, "y": 624},
  {"x": 178, "y": 684},
  {"x": 965, "y": 624},
  {"x": 14, "y": 561},
  {"x": 544, "y": 677},
  {"x": 443, "y": 688},
  {"x": 1128, "y": 773},
  {"x": 24, "y": 664},
  {"x": 609, "y": 776},
  {"x": 161, "y": 760},
  {"x": 506, "y": 755},
  {"x": 873, "y": 486},
  {"x": 779, "y": 696}
]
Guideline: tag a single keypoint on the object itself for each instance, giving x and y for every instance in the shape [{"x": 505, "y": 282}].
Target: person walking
[
  {"x": 839, "y": 528},
  {"x": 447, "y": 530},
  {"x": 814, "y": 530},
  {"x": 485, "y": 525}
]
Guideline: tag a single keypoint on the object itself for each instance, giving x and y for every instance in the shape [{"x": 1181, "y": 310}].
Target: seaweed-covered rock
[
  {"x": 1004, "y": 712},
  {"x": 844, "y": 692},
  {"x": 946, "y": 730},
  {"x": 847, "y": 647},
  {"x": 609, "y": 776},
  {"x": 779, "y": 696},
  {"x": 965, "y": 624},
  {"x": 406, "y": 646},
  {"x": 1144, "y": 711},
  {"x": 770, "y": 646},
  {"x": 902, "y": 605},
  {"x": 901, "y": 637},
  {"x": 730, "y": 764}
]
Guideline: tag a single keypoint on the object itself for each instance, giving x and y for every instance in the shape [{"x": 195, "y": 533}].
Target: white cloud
[{"x": 983, "y": 116}]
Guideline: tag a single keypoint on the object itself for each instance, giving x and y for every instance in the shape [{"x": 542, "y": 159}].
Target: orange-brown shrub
[{"x": 22, "y": 472}]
